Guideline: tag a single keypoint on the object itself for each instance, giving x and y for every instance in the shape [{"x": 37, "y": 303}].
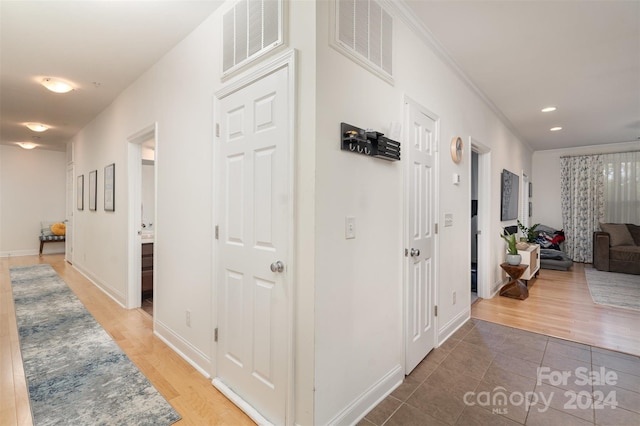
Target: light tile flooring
[{"x": 544, "y": 380}]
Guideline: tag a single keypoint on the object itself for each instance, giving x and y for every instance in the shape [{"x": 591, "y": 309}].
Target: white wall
[
  {"x": 358, "y": 307},
  {"x": 546, "y": 179},
  {"x": 32, "y": 189}
]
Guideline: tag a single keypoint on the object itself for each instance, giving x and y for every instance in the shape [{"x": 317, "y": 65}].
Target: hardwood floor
[
  {"x": 560, "y": 305},
  {"x": 190, "y": 393}
]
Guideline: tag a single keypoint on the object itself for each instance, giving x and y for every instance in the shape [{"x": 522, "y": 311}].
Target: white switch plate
[
  {"x": 448, "y": 219},
  {"x": 349, "y": 227}
]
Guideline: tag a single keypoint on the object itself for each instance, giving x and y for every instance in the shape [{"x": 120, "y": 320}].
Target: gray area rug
[
  {"x": 614, "y": 289},
  {"x": 75, "y": 372}
]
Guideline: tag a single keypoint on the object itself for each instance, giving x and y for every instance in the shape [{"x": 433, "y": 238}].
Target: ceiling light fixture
[
  {"x": 27, "y": 145},
  {"x": 549, "y": 109},
  {"x": 57, "y": 86},
  {"x": 555, "y": 129},
  {"x": 37, "y": 127}
]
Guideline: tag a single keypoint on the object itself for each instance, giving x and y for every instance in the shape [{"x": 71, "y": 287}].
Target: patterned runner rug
[
  {"x": 614, "y": 289},
  {"x": 75, "y": 372}
]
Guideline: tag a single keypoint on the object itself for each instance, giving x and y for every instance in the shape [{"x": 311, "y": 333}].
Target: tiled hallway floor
[{"x": 489, "y": 374}]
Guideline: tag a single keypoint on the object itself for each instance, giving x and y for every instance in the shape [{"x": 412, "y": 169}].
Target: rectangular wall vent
[
  {"x": 250, "y": 28},
  {"x": 363, "y": 31}
]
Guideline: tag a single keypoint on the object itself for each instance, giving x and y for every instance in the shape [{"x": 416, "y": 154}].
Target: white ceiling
[{"x": 581, "y": 56}]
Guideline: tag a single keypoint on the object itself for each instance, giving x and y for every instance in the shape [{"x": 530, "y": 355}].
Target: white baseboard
[
  {"x": 114, "y": 295},
  {"x": 187, "y": 351},
  {"x": 452, "y": 326},
  {"x": 18, "y": 253},
  {"x": 373, "y": 396}
]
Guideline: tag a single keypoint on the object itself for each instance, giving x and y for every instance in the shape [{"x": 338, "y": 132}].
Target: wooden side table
[{"x": 515, "y": 288}]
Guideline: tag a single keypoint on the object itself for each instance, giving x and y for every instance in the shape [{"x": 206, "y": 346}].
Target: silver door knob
[
  {"x": 414, "y": 252},
  {"x": 277, "y": 266}
]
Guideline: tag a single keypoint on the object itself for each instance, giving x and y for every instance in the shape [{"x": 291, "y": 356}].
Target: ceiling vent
[
  {"x": 363, "y": 31},
  {"x": 250, "y": 28}
]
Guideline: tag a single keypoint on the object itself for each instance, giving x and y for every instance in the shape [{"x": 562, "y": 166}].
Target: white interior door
[
  {"x": 68, "y": 240},
  {"x": 420, "y": 196},
  {"x": 253, "y": 237}
]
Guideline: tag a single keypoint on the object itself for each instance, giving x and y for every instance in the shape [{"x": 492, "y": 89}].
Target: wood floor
[
  {"x": 190, "y": 393},
  {"x": 559, "y": 305}
]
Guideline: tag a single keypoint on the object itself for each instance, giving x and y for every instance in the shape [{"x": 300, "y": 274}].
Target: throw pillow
[
  {"x": 59, "y": 229},
  {"x": 634, "y": 230},
  {"x": 619, "y": 234}
]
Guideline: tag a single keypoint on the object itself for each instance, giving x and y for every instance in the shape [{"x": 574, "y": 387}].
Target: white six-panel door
[
  {"x": 420, "y": 196},
  {"x": 252, "y": 277}
]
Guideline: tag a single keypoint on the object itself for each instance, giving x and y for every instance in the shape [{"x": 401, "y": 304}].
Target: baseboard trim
[
  {"x": 373, "y": 396},
  {"x": 19, "y": 253},
  {"x": 183, "y": 348},
  {"x": 452, "y": 326},
  {"x": 241, "y": 403},
  {"x": 113, "y": 295}
]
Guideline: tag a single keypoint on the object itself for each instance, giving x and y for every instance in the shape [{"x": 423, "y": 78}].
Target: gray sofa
[{"x": 617, "y": 248}]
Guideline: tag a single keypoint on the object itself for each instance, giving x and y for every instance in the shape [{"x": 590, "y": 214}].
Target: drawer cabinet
[
  {"x": 147, "y": 267},
  {"x": 530, "y": 257}
]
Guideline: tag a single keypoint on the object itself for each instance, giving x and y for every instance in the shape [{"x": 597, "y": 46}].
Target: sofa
[{"x": 616, "y": 248}]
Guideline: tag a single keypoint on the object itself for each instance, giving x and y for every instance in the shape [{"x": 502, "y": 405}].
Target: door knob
[
  {"x": 415, "y": 252},
  {"x": 277, "y": 266}
]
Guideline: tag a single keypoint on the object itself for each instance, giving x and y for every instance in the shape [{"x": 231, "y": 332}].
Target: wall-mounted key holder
[{"x": 368, "y": 142}]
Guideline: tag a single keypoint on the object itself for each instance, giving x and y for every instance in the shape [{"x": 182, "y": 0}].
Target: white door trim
[
  {"x": 134, "y": 241},
  {"x": 408, "y": 105},
  {"x": 288, "y": 60}
]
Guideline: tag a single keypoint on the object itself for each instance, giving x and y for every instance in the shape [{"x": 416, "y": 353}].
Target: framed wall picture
[
  {"x": 93, "y": 188},
  {"x": 530, "y": 189},
  {"x": 109, "y": 187},
  {"x": 530, "y": 209},
  {"x": 80, "y": 192}
]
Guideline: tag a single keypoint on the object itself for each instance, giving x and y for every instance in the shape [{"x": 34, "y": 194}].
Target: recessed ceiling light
[
  {"x": 555, "y": 129},
  {"x": 37, "y": 127},
  {"x": 549, "y": 109},
  {"x": 27, "y": 145},
  {"x": 57, "y": 86}
]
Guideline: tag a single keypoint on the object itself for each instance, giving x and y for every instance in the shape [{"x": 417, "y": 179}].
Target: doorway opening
[
  {"x": 142, "y": 213},
  {"x": 480, "y": 213}
]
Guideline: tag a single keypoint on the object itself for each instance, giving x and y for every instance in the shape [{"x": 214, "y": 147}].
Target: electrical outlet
[
  {"x": 454, "y": 297},
  {"x": 188, "y": 318}
]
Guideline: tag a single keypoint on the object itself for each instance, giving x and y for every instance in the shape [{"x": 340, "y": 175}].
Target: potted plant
[
  {"x": 530, "y": 233},
  {"x": 513, "y": 257}
]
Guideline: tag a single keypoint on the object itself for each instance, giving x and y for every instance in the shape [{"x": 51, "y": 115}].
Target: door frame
[
  {"x": 484, "y": 214},
  {"x": 134, "y": 240},
  {"x": 408, "y": 105},
  {"x": 285, "y": 60}
]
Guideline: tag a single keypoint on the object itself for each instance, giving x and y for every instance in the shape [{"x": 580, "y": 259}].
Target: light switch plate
[
  {"x": 448, "y": 219},
  {"x": 349, "y": 227}
]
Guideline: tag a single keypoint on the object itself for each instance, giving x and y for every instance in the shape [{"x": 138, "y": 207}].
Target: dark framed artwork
[
  {"x": 110, "y": 187},
  {"x": 80, "y": 192},
  {"x": 530, "y": 209},
  {"x": 530, "y": 189},
  {"x": 93, "y": 188}
]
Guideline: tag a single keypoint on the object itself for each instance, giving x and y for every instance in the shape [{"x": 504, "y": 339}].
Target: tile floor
[{"x": 489, "y": 374}]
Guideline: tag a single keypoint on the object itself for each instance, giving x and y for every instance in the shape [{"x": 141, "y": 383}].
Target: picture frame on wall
[
  {"x": 93, "y": 188},
  {"x": 109, "y": 187},
  {"x": 80, "y": 192},
  {"x": 530, "y": 189},
  {"x": 530, "y": 209}
]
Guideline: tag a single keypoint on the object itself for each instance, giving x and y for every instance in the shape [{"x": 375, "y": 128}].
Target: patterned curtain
[
  {"x": 582, "y": 200},
  {"x": 622, "y": 187}
]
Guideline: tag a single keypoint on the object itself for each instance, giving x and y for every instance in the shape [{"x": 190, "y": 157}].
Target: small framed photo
[
  {"x": 530, "y": 189},
  {"x": 530, "y": 209},
  {"x": 109, "y": 187},
  {"x": 80, "y": 192},
  {"x": 93, "y": 188}
]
